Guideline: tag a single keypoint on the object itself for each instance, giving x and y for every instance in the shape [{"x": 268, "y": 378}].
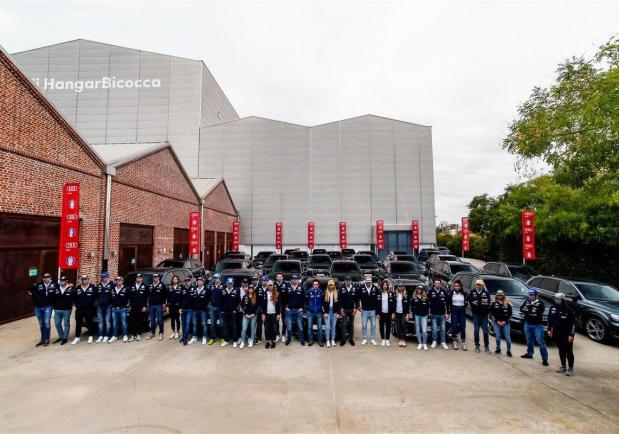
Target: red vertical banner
[
  {"x": 278, "y": 235},
  {"x": 194, "y": 233},
  {"x": 343, "y": 237},
  {"x": 415, "y": 235},
  {"x": 236, "y": 236},
  {"x": 380, "y": 234},
  {"x": 466, "y": 244},
  {"x": 310, "y": 234},
  {"x": 528, "y": 235},
  {"x": 69, "y": 248}
]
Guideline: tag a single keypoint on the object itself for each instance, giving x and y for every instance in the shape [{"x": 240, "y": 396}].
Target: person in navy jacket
[
  {"x": 271, "y": 307},
  {"x": 562, "y": 328},
  {"x": 501, "y": 311},
  {"x": 138, "y": 312},
  {"x": 457, "y": 299},
  {"x": 42, "y": 294},
  {"x": 282, "y": 288},
  {"x": 331, "y": 309},
  {"x": 230, "y": 302},
  {"x": 157, "y": 298},
  {"x": 215, "y": 290},
  {"x": 186, "y": 309},
  {"x": 313, "y": 305},
  {"x": 420, "y": 308},
  {"x": 174, "y": 300},
  {"x": 104, "y": 307},
  {"x": 63, "y": 305},
  {"x": 533, "y": 312},
  {"x": 295, "y": 300},
  {"x": 200, "y": 311},
  {"x": 368, "y": 295},
  {"x": 349, "y": 305},
  {"x": 250, "y": 308},
  {"x": 439, "y": 311},
  {"x": 85, "y": 299},
  {"x": 121, "y": 297},
  {"x": 402, "y": 312},
  {"x": 480, "y": 301},
  {"x": 385, "y": 312}
]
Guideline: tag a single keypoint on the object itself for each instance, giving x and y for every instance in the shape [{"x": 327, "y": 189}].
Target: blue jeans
[
  {"x": 330, "y": 323},
  {"x": 104, "y": 315},
  {"x": 480, "y": 320},
  {"x": 213, "y": 313},
  {"x": 119, "y": 318},
  {"x": 311, "y": 316},
  {"x": 458, "y": 322},
  {"x": 535, "y": 333},
  {"x": 421, "y": 328},
  {"x": 294, "y": 315},
  {"x": 251, "y": 322},
  {"x": 155, "y": 316},
  {"x": 199, "y": 320},
  {"x": 62, "y": 317},
  {"x": 365, "y": 316},
  {"x": 44, "y": 315},
  {"x": 505, "y": 331},
  {"x": 186, "y": 317},
  {"x": 438, "y": 322}
]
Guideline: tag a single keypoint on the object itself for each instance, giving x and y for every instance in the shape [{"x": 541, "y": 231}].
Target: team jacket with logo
[
  {"x": 282, "y": 289},
  {"x": 561, "y": 321},
  {"x": 42, "y": 297},
  {"x": 85, "y": 298},
  {"x": 121, "y": 298},
  {"x": 64, "y": 301},
  {"x": 174, "y": 295},
  {"x": 501, "y": 311},
  {"x": 230, "y": 301},
  {"x": 139, "y": 295},
  {"x": 533, "y": 311},
  {"x": 368, "y": 297},
  {"x": 187, "y": 297},
  {"x": 390, "y": 303},
  {"x": 248, "y": 308},
  {"x": 326, "y": 305},
  {"x": 295, "y": 298},
  {"x": 215, "y": 294},
  {"x": 104, "y": 294},
  {"x": 480, "y": 302},
  {"x": 349, "y": 298},
  {"x": 438, "y": 301},
  {"x": 264, "y": 301},
  {"x": 157, "y": 294},
  {"x": 406, "y": 303},
  {"x": 420, "y": 306},
  {"x": 313, "y": 300},
  {"x": 201, "y": 298}
]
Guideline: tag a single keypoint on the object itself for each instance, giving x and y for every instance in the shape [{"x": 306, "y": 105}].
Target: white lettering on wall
[{"x": 103, "y": 83}]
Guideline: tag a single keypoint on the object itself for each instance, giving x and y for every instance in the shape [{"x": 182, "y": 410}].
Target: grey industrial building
[{"x": 356, "y": 170}]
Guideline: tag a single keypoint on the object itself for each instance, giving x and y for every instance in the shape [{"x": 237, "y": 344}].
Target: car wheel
[{"x": 596, "y": 329}]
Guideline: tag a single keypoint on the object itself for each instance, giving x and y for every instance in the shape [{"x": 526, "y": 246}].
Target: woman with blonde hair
[
  {"x": 331, "y": 307},
  {"x": 271, "y": 308},
  {"x": 501, "y": 311},
  {"x": 420, "y": 306},
  {"x": 385, "y": 311}
]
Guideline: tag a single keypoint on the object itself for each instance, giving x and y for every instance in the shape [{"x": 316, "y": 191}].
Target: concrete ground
[{"x": 154, "y": 386}]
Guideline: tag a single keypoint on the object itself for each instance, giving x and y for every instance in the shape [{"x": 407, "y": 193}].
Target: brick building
[{"x": 150, "y": 197}]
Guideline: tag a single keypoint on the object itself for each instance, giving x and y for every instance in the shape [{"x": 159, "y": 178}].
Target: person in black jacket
[
  {"x": 157, "y": 297},
  {"x": 174, "y": 301},
  {"x": 63, "y": 305},
  {"x": 85, "y": 299},
  {"x": 349, "y": 305},
  {"x": 215, "y": 289},
  {"x": 270, "y": 307},
  {"x": 385, "y": 312},
  {"x": 230, "y": 301},
  {"x": 439, "y": 312},
  {"x": 501, "y": 311},
  {"x": 479, "y": 300},
  {"x": 295, "y": 301},
  {"x": 533, "y": 311},
  {"x": 187, "y": 301},
  {"x": 331, "y": 309},
  {"x": 42, "y": 294},
  {"x": 121, "y": 297},
  {"x": 420, "y": 307},
  {"x": 104, "y": 307},
  {"x": 250, "y": 307},
  {"x": 138, "y": 312},
  {"x": 368, "y": 294},
  {"x": 456, "y": 305},
  {"x": 201, "y": 301},
  {"x": 562, "y": 327},
  {"x": 282, "y": 288},
  {"x": 402, "y": 312}
]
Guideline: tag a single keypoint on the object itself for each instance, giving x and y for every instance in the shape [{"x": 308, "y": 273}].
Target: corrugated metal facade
[{"x": 358, "y": 170}]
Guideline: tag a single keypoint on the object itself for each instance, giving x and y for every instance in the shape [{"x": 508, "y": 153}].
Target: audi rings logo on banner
[{"x": 69, "y": 245}]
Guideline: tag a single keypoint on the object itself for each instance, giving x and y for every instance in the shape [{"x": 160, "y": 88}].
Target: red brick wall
[{"x": 219, "y": 212}]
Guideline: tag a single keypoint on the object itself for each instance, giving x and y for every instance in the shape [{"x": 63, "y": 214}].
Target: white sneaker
[
  {"x": 444, "y": 345},
  {"x": 234, "y": 344},
  {"x": 203, "y": 341},
  {"x": 193, "y": 340},
  {"x": 387, "y": 343},
  {"x": 112, "y": 339},
  {"x": 75, "y": 341},
  {"x": 420, "y": 346},
  {"x": 425, "y": 347},
  {"x": 283, "y": 339},
  {"x": 328, "y": 343},
  {"x": 433, "y": 344},
  {"x": 175, "y": 335},
  {"x": 100, "y": 339},
  {"x": 125, "y": 338},
  {"x": 138, "y": 338},
  {"x": 172, "y": 336},
  {"x": 373, "y": 342},
  {"x": 224, "y": 343},
  {"x": 382, "y": 343},
  {"x": 106, "y": 340},
  {"x": 241, "y": 346},
  {"x": 250, "y": 343},
  {"x": 332, "y": 343},
  {"x": 364, "y": 342},
  {"x": 131, "y": 338},
  {"x": 90, "y": 339}
]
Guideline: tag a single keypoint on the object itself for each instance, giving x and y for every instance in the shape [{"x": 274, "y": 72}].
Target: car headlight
[{"x": 614, "y": 316}]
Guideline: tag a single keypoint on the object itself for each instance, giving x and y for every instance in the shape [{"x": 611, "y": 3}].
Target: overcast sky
[{"x": 460, "y": 66}]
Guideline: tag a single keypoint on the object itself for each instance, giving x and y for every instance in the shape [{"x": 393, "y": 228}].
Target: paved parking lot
[{"x": 154, "y": 386}]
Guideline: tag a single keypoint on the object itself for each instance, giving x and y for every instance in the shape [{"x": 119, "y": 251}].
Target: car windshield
[
  {"x": 404, "y": 267},
  {"x": 364, "y": 259},
  {"x": 263, "y": 255},
  {"x": 274, "y": 258},
  {"x": 447, "y": 258},
  {"x": 510, "y": 287},
  {"x": 286, "y": 267},
  {"x": 406, "y": 258},
  {"x": 598, "y": 291},
  {"x": 320, "y": 260},
  {"x": 456, "y": 268},
  {"x": 335, "y": 254},
  {"x": 345, "y": 267},
  {"x": 235, "y": 256},
  {"x": 171, "y": 263},
  {"x": 299, "y": 255},
  {"x": 521, "y": 271},
  {"x": 229, "y": 265}
]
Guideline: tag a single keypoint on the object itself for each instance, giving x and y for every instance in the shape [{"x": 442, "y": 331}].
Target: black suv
[
  {"x": 165, "y": 275},
  {"x": 300, "y": 255},
  {"x": 595, "y": 304},
  {"x": 335, "y": 255},
  {"x": 445, "y": 270},
  {"x": 193, "y": 265},
  {"x": 272, "y": 259},
  {"x": 440, "y": 257},
  {"x": 406, "y": 270},
  {"x": 369, "y": 265},
  {"x": 288, "y": 268},
  {"x": 519, "y": 271},
  {"x": 261, "y": 257},
  {"x": 424, "y": 254},
  {"x": 348, "y": 253},
  {"x": 318, "y": 264}
]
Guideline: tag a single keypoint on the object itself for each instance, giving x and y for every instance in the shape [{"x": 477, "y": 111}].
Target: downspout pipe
[{"x": 111, "y": 171}]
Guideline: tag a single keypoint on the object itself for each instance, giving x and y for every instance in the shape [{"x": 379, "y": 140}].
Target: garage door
[{"x": 135, "y": 248}]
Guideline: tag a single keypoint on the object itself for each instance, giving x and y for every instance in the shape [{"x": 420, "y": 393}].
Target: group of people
[{"x": 278, "y": 306}]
